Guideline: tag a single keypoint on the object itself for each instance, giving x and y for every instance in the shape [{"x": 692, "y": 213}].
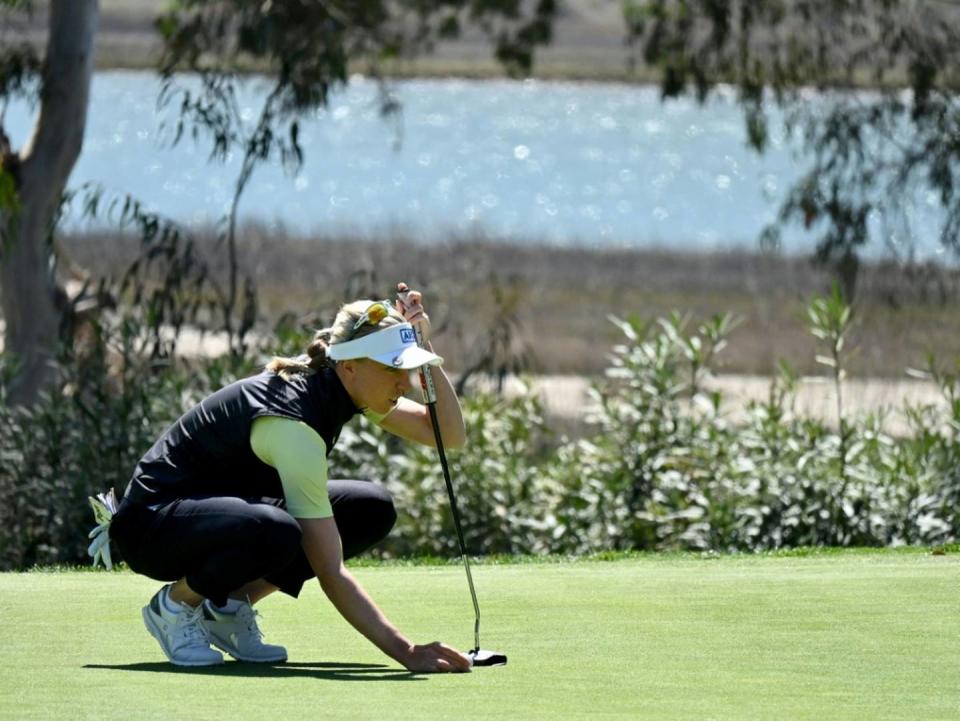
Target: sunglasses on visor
[{"x": 373, "y": 315}]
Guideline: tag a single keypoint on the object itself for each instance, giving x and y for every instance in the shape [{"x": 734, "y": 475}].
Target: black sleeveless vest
[{"x": 207, "y": 451}]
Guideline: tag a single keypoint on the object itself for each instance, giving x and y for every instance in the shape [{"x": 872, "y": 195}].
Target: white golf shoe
[
  {"x": 238, "y": 634},
  {"x": 181, "y": 634}
]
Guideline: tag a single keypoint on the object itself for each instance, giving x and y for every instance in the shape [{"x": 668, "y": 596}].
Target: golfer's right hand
[{"x": 436, "y": 657}]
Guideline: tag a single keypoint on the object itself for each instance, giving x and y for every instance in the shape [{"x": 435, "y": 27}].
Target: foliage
[
  {"x": 499, "y": 351},
  {"x": 499, "y": 492},
  {"x": 665, "y": 466},
  {"x": 168, "y": 284},
  {"x": 309, "y": 47},
  {"x": 65, "y": 447},
  {"x": 307, "y": 50},
  {"x": 20, "y": 65},
  {"x": 666, "y": 469},
  {"x": 871, "y": 151},
  {"x": 120, "y": 384}
]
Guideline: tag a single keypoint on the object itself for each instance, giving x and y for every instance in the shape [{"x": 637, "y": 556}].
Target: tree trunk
[{"x": 28, "y": 289}]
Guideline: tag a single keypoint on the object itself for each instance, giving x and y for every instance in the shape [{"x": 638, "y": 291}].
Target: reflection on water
[{"x": 566, "y": 163}]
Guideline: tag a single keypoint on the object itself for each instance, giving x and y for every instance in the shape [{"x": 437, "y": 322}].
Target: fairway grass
[{"x": 836, "y": 636}]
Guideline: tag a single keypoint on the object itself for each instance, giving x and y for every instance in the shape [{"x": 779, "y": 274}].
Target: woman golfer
[{"x": 233, "y": 503}]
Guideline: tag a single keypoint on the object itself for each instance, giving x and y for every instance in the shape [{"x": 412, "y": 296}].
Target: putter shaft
[
  {"x": 430, "y": 398},
  {"x": 456, "y": 518}
]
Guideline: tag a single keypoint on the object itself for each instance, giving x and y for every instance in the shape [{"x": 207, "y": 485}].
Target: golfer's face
[{"x": 382, "y": 386}]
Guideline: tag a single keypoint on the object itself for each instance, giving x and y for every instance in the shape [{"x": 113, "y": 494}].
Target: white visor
[{"x": 395, "y": 346}]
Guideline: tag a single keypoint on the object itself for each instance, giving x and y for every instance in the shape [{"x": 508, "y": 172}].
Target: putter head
[{"x": 481, "y": 657}]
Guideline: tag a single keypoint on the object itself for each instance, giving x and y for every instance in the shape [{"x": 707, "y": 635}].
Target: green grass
[{"x": 860, "y": 635}]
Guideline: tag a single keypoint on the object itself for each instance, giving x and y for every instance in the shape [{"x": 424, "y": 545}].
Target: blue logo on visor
[{"x": 407, "y": 335}]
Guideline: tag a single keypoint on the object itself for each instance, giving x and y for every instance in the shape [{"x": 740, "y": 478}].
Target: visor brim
[{"x": 409, "y": 358}]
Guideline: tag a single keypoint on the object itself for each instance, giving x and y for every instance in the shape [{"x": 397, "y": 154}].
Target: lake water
[{"x": 561, "y": 163}]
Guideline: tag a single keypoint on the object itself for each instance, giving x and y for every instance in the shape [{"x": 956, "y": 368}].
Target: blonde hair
[{"x": 341, "y": 331}]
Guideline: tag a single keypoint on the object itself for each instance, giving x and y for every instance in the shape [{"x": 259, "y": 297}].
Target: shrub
[
  {"x": 66, "y": 447},
  {"x": 499, "y": 492},
  {"x": 666, "y": 470},
  {"x": 661, "y": 468}
]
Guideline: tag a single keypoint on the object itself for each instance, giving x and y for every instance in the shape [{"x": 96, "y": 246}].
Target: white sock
[{"x": 232, "y": 606}]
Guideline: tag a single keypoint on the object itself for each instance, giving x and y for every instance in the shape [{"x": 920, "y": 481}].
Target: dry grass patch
[{"x": 560, "y": 298}]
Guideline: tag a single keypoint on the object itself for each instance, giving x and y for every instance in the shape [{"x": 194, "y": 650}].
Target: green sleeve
[{"x": 300, "y": 457}]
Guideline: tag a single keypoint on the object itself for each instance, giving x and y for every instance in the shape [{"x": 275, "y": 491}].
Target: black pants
[{"x": 220, "y": 544}]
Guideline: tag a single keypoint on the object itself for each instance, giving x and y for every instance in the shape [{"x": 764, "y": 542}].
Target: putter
[{"x": 478, "y": 656}]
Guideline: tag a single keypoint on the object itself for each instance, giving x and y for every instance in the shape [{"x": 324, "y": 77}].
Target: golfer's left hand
[
  {"x": 436, "y": 657},
  {"x": 410, "y": 305}
]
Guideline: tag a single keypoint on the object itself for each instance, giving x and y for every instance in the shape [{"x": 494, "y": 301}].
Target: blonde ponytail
[{"x": 313, "y": 360}]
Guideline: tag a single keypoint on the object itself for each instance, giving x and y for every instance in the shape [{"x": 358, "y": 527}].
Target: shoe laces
[
  {"x": 190, "y": 626},
  {"x": 247, "y": 615}
]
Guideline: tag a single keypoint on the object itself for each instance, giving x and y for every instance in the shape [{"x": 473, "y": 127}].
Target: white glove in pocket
[{"x": 104, "y": 505}]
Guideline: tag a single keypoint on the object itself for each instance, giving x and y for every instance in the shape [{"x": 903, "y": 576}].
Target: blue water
[{"x": 563, "y": 163}]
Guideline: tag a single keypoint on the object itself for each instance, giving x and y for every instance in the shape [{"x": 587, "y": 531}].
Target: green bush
[
  {"x": 661, "y": 468},
  {"x": 499, "y": 491},
  {"x": 664, "y": 469},
  {"x": 116, "y": 401},
  {"x": 66, "y": 447}
]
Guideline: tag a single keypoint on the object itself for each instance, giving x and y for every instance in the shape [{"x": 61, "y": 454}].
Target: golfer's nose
[{"x": 404, "y": 384}]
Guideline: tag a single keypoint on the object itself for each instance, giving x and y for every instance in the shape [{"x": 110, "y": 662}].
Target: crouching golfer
[{"x": 232, "y": 503}]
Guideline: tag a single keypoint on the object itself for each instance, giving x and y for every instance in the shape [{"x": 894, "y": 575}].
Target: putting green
[{"x": 847, "y": 635}]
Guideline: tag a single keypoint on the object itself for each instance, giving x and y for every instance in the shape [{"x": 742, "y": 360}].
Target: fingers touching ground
[
  {"x": 437, "y": 657},
  {"x": 452, "y": 659}
]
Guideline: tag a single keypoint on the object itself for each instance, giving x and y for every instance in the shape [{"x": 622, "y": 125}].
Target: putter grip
[
  {"x": 426, "y": 377},
  {"x": 429, "y": 390}
]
